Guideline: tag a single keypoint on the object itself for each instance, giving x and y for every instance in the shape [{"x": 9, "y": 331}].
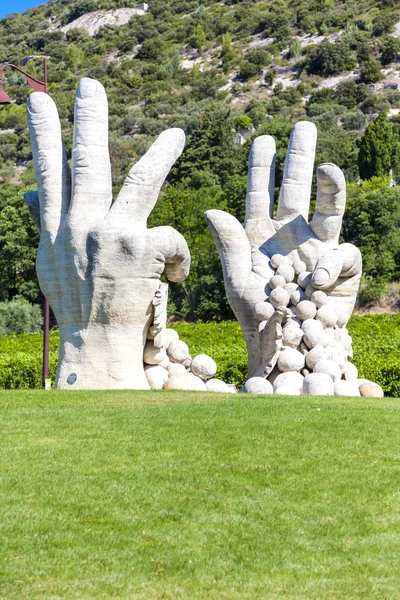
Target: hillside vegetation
[{"x": 224, "y": 72}]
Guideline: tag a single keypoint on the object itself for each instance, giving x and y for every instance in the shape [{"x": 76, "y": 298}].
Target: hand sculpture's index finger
[
  {"x": 331, "y": 201},
  {"x": 142, "y": 186},
  {"x": 294, "y": 197},
  {"x": 51, "y": 166},
  {"x": 260, "y": 190}
]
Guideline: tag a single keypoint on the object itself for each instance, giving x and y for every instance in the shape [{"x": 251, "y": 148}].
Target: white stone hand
[
  {"x": 97, "y": 263},
  {"x": 245, "y": 252}
]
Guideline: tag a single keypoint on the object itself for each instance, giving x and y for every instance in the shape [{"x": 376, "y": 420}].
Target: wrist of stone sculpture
[{"x": 101, "y": 358}]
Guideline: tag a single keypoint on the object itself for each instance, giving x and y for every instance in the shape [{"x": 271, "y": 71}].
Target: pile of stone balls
[
  {"x": 172, "y": 368},
  {"x": 315, "y": 343}
]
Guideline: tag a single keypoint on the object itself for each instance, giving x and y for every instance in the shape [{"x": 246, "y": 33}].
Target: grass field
[{"x": 155, "y": 495}]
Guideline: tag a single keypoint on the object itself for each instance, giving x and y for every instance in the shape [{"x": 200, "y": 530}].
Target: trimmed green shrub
[{"x": 376, "y": 343}]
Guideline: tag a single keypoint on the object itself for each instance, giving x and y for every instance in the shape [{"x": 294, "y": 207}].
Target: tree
[
  {"x": 371, "y": 71},
  {"x": 18, "y": 243},
  {"x": 329, "y": 59},
  {"x": 198, "y": 39},
  {"x": 75, "y": 56},
  {"x": 376, "y": 148},
  {"x": 390, "y": 49}
]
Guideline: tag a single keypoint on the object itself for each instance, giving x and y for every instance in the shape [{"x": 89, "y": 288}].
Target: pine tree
[
  {"x": 377, "y": 148},
  {"x": 199, "y": 39}
]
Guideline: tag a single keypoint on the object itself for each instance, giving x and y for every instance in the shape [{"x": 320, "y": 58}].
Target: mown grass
[{"x": 147, "y": 495}]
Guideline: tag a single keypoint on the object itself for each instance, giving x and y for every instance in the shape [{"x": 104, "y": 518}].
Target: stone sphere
[
  {"x": 291, "y": 379},
  {"x": 203, "y": 366},
  {"x": 169, "y": 336},
  {"x": 217, "y": 385},
  {"x": 176, "y": 369},
  {"x": 165, "y": 363},
  {"x": 277, "y": 281},
  {"x": 276, "y": 260},
  {"x": 290, "y": 360},
  {"x": 342, "y": 318},
  {"x": 346, "y": 388},
  {"x": 299, "y": 266},
  {"x": 350, "y": 371},
  {"x": 309, "y": 292},
  {"x": 186, "y": 363},
  {"x": 319, "y": 298},
  {"x": 257, "y": 385},
  {"x": 279, "y": 297},
  {"x": 327, "y": 315},
  {"x": 287, "y": 390},
  {"x": 314, "y": 334},
  {"x": 156, "y": 376},
  {"x": 263, "y": 311},
  {"x": 304, "y": 279},
  {"x": 184, "y": 382},
  {"x": 337, "y": 357},
  {"x": 292, "y": 335},
  {"x": 328, "y": 367},
  {"x": 316, "y": 354},
  {"x": 318, "y": 384},
  {"x": 178, "y": 351},
  {"x": 305, "y": 310},
  {"x": 291, "y": 287},
  {"x": 152, "y": 355},
  {"x": 286, "y": 271},
  {"x": 297, "y": 296},
  {"x": 198, "y": 384},
  {"x": 370, "y": 389}
]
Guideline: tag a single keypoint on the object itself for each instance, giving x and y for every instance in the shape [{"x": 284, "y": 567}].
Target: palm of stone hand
[
  {"x": 98, "y": 264},
  {"x": 246, "y": 252}
]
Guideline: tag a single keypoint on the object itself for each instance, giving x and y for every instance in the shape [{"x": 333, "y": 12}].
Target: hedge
[{"x": 376, "y": 343}]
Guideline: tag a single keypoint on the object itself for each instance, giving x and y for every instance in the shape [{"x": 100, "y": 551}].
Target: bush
[
  {"x": 19, "y": 316},
  {"x": 329, "y": 59},
  {"x": 376, "y": 344},
  {"x": 371, "y": 71}
]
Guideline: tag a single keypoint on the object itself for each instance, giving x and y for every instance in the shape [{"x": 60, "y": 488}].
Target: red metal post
[{"x": 39, "y": 86}]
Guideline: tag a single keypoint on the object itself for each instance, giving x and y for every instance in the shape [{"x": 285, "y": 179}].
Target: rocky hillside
[{"x": 224, "y": 71}]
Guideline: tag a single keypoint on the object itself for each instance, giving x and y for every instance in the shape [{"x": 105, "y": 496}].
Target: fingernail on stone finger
[
  {"x": 38, "y": 102},
  {"x": 320, "y": 277},
  {"x": 87, "y": 88}
]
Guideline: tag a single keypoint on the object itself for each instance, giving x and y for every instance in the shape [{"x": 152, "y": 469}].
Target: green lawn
[{"x": 172, "y": 495}]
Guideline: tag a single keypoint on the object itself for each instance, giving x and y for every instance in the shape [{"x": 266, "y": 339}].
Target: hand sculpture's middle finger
[
  {"x": 91, "y": 170},
  {"x": 294, "y": 197}
]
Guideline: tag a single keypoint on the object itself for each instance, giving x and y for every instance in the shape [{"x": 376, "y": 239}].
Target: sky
[{"x": 11, "y": 6}]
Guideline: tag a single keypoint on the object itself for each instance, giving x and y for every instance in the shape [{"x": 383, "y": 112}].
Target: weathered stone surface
[
  {"x": 203, "y": 366},
  {"x": 216, "y": 385},
  {"x": 318, "y": 384},
  {"x": 185, "y": 382},
  {"x": 156, "y": 376},
  {"x": 257, "y": 385},
  {"x": 290, "y": 360},
  {"x": 291, "y": 379},
  {"x": 346, "y": 388},
  {"x": 328, "y": 367},
  {"x": 97, "y": 263},
  {"x": 152, "y": 355},
  {"x": 256, "y": 256},
  {"x": 287, "y": 390},
  {"x": 371, "y": 390}
]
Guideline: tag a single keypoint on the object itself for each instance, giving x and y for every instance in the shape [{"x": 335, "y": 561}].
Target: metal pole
[{"x": 46, "y": 328}]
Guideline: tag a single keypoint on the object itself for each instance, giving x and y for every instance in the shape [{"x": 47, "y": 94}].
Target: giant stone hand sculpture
[
  {"x": 97, "y": 263},
  {"x": 290, "y": 326}
]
